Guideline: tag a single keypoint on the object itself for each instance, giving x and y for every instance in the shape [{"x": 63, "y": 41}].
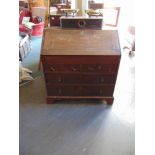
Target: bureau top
[{"x": 57, "y": 41}]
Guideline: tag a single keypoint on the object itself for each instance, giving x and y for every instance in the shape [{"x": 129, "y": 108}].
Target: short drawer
[
  {"x": 98, "y": 79},
  {"x": 61, "y": 68},
  {"x": 102, "y": 68},
  {"x": 62, "y": 78},
  {"x": 54, "y": 90},
  {"x": 104, "y": 90}
]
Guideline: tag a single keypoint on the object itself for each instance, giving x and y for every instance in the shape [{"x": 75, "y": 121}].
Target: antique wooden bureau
[{"x": 80, "y": 63}]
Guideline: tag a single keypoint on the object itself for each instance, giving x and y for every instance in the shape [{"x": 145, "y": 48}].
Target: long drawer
[
  {"x": 78, "y": 59},
  {"x": 80, "y": 78},
  {"x": 77, "y": 68},
  {"x": 79, "y": 90}
]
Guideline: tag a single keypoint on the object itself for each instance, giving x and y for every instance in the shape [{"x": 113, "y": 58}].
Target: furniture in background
[
  {"x": 22, "y": 14},
  {"x": 81, "y": 22},
  {"x": 95, "y": 13},
  {"x": 111, "y": 15},
  {"x": 36, "y": 29},
  {"x": 23, "y": 4},
  {"x": 71, "y": 12},
  {"x": 41, "y": 3},
  {"x": 61, "y": 6},
  {"x": 95, "y": 6},
  {"x": 55, "y": 19},
  {"x": 24, "y": 46},
  {"x": 56, "y": 11},
  {"x": 39, "y": 11},
  {"x": 36, "y": 3},
  {"x": 80, "y": 63},
  {"x": 110, "y": 12}
]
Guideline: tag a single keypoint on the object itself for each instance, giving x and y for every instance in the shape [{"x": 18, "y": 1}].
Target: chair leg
[{"x": 130, "y": 52}]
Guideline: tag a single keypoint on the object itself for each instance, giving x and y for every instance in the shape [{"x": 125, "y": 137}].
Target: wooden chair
[{"x": 111, "y": 15}]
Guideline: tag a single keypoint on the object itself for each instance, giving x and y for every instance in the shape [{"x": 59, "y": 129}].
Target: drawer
[
  {"x": 80, "y": 59},
  {"x": 63, "y": 78},
  {"x": 78, "y": 23},
  {"x": 104, "y": 90},
  {"x": 98, "y": 79},
  {"x": 75, "y": 68},
  {"x": 61, "y": 68},
  {"x": 78, "y": 78},
  {"x": 102, "y": 68},
  {"x": 76, "y": 90},
  {"x": 54, "y": 90}
]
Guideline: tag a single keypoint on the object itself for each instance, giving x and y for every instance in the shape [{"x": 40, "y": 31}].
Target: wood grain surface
[{"x": 80, "y": 42}]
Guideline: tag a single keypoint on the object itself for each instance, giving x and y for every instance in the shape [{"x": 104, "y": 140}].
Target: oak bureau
[{"x": 80, "y": 63}]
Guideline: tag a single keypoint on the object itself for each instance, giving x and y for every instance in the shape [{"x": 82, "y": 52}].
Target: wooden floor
[{"x": 79, "y": 127}]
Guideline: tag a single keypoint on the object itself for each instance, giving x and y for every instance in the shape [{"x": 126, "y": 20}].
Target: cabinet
[
  {"x": 80, "y": 63},
  {"x": 55, "y": 20},
  {"x": 55, "y": 11},
  {"x": 81, "y": 22}
]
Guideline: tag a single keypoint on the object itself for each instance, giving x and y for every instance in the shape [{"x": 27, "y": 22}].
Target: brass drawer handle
[
  {"x": 74, "y": 69},
  {"x": 101, "y": 91},
  {"x": 59, "y": 79},
  {"x": 99, "y": 67},
  {"x": 102, "y": 79},
  {"x": 90, "y": 68},
  {"x": 52, "y": 69},
  {"x": 59, "y": 91},
  {"x": 110, "y": 70}
]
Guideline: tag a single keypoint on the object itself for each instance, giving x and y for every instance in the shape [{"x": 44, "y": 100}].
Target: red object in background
[{"x": 37, "y": 29}]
